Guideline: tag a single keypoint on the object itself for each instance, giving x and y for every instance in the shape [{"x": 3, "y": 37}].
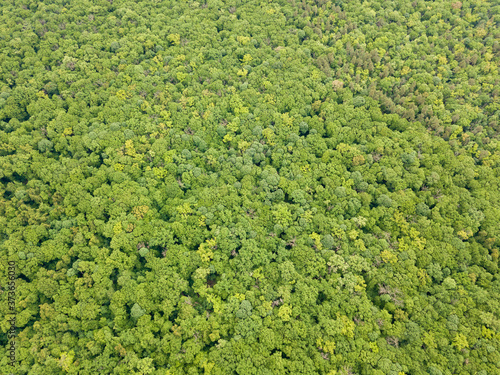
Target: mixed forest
[{"x": 250, "y": 187}]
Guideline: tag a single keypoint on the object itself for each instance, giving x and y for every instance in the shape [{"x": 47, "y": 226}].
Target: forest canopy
[{"x": 250, "y": 187}]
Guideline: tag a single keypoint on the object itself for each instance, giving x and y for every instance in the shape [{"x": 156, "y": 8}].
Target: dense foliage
[{"x": 245, "y": 187}]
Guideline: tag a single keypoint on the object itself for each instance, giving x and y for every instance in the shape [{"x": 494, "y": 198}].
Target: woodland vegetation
[{"x": 251, "y": 187}]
